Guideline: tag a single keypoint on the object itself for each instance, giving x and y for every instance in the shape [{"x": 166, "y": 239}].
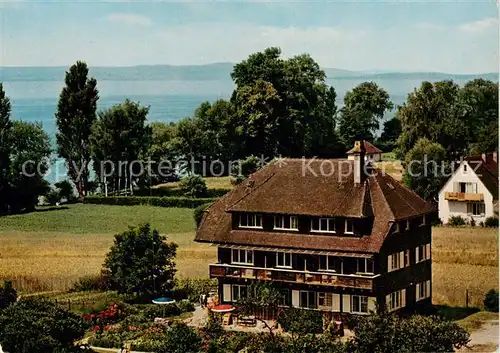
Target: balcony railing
[
  {"x": 463, "y": 196},
  {"x": 292, "y": 276}
]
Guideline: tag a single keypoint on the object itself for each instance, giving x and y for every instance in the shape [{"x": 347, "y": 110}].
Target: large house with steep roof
[
  {"x": 472, "y": 190},
  {"x": 336, "y": 236}
]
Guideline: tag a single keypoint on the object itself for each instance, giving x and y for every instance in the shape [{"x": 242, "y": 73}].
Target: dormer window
[
  {"x": 286, "y": 223},
  {"x": 407, "y": 224},
  {"x": 348, "y": 226},
  {"x": 395, "y": 227},
  {"x": 250, "y": 220},
  {"x": 323, "y": 225},
  {"x": 423, "y": 221}
]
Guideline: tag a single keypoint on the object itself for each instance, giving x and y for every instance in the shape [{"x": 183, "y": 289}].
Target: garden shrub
[
  {"x": 491, "y": 222},
  {"x": 91, "y": 283},
  {"x": 301, "y": 322},
  {"x": 491, "y": 301},
  {"x": 193, "y": 287},
  {"x": 8, "y": 295},
  {"x": 151, "y": 311},
  {"x": 181, "y": 339},
  {"x": 193, "y": 186},
  {"x": 456, "y": 221},
  {"x": 179, "y": 202},
  {"x": 185, "y": 306},
  {"x": 147, "y": 345},
  {"x": 52, "y": 197},
  {"x": 198, "y": 213},
  {"x": 107, "y": 340}
]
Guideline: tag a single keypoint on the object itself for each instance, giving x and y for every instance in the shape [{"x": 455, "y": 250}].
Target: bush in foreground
[
  {"x": 455, "y": 221},
  {"x": 193, "y": 186},
  {"x": 491, "y": 301},
  {"x": 36, "y": 325},
  {"x": 491, "y": 222},
  {"x": 8, "y": 295}
]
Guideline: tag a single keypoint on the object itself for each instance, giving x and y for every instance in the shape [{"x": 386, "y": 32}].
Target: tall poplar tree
[
  {"x": 5, "y": 148},
  {"x": 75, "y": 115}
]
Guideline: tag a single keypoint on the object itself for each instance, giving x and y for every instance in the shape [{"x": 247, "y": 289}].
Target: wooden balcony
[
  {"x": 463, "y": 196},
  {"x": 292, "y": 276}
]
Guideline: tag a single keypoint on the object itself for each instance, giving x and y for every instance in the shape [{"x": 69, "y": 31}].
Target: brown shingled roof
[
  {"x": 369, "y": 148},
  {"x": 283, "y": 187}
]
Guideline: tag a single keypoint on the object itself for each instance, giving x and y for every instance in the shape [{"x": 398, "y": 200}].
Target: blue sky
[{"x": 455, "y": 37}]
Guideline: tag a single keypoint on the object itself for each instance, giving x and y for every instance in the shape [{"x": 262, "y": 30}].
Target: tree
[
  {"x": 141, "y": 262},
  {"x": 65, "y": 190},
  {"x": 5, "y": 149},
  {"x": 8, "y": 295},
  {"x": 76, "y": 112},
  {"x": 249, "y": 165},
  {"x": 390, "y": 134},
  {"x": 30, "y": 160},
  {"x": 120, "y": 137},
  {"x": 36, "y": 325},
  {"x": 426, "y": 169},
  {"x": 364, "y": 108},
  {"x": 387, "y": 333},
  {"x": 491, "y": 301},
  {"x": 193, "y": 186}
]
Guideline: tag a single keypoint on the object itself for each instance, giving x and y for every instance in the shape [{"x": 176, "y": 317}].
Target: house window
[
  {"x": 407, "y": 224},
  {"x": 396, "y": 300},
  {"x": 348, "y": 226},
  {"x": 330, "y": 263},
  {"x": 239, "y": 292},
  {"x": 242, "y": 257},
  {"x": 286, "y": 223},
  {"x": 469, "y": 188},
  {"x": 285, "y": 297},
  {"x": 325, "y": 299},
  {"x": 249, "y": 220},
  {"x": 465, "y": 167},
  {"x": 323, "y": 225},
  {"x": 475, "y": 209},
  {"x": 422, "y": 223},
  {"x": 283, "y": 259},
  {"x": 359, "y": 304},
  {"x": 365, "y": 266},
  {"x": 422, "y": 253},
  {"x": 423, "y": 290},
  {"x": 395, "y": 227},
  {"x": 308, "y": 300}
]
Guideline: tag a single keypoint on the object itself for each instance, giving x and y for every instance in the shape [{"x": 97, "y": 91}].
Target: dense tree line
[{"x": 279, "y": 107}]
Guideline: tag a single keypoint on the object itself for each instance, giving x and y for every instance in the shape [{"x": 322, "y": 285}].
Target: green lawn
[{"x": 83, "y": 218}]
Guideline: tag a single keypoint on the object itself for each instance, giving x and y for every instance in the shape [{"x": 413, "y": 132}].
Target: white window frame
[
  {"x": 256, "y": 218},
  {"x": 366, "y": 265},
  {"x": 240, "y": 252},
  {"x": 328, "y": 264},
  {"x": 423, "y": 221},
  {"x": 319, "y": 230},
  {"x": 238, "y": 286},
  {"x": 396, "y": 300},
  {"x": 345, "y": 226},
  {"x": 363, "y": 300},
  {"x": 426, "y": 253},
  {"x": 292, "y": 220},
  {"x": 284, "y": 254},
  {"x": 425, "y": 287},
  {"x": 479, "y": 206}
]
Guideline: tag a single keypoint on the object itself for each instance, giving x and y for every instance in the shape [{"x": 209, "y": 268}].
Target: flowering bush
[{"x": 108, "y": 316}]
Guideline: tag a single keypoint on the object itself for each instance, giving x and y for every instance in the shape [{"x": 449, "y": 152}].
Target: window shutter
[
  {"x": 346, "y": 303},
  {"x": 372, "y": 303},
  {"x": 226, "y": 291},
  {"x": 389, "y": 263},
  {"x": 417, "y": 291},
  {"x": 388, "y": 302},
  {"x": 428, "y": 251},
  {"x": 336, "y": 302},
  {"x": 456, "y": 187},
  {"x": 428, "y": 292},
  {"x": 417, "y": 259},
  {"x": 403, "y": 298},
  {"x": 295, "y": 298},
  {"x": 401, "y": 259}
]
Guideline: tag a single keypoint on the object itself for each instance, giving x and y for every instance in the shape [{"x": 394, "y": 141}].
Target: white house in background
[
  {"x": 472, "y": 190},
  {"x": 372, "y": 153}
]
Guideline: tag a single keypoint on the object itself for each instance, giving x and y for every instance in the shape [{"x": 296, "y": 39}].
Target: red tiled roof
[
  {"x": 369, "y": 148},
  {"x": 283, "y": 187}
]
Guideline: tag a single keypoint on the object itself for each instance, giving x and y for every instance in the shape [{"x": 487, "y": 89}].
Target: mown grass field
[{"x": 49, "y": 250}]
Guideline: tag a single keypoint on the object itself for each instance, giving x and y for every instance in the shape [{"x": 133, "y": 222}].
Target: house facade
[
  {"x": 472, "y": 190},
  {"x": 372, "y": 153},
  {"x": 333, "y": 235}
]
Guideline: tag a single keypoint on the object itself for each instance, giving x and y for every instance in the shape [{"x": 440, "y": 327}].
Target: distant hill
[{"x": 216, "y": 72}]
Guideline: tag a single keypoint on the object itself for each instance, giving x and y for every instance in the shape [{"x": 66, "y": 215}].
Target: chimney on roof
[{"x": 358, "y": 153}]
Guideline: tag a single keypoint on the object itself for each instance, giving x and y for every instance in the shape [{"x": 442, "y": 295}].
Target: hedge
[
  {"x": 180, "y": 202},
  {"x": 176, "y": 192}
]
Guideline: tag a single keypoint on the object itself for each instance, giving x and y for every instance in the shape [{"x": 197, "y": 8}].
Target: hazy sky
[{"x": 456, "y": 37}]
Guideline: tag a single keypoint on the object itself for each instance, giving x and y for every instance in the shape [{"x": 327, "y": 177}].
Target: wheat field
[{"x": 47, "y": 251}]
